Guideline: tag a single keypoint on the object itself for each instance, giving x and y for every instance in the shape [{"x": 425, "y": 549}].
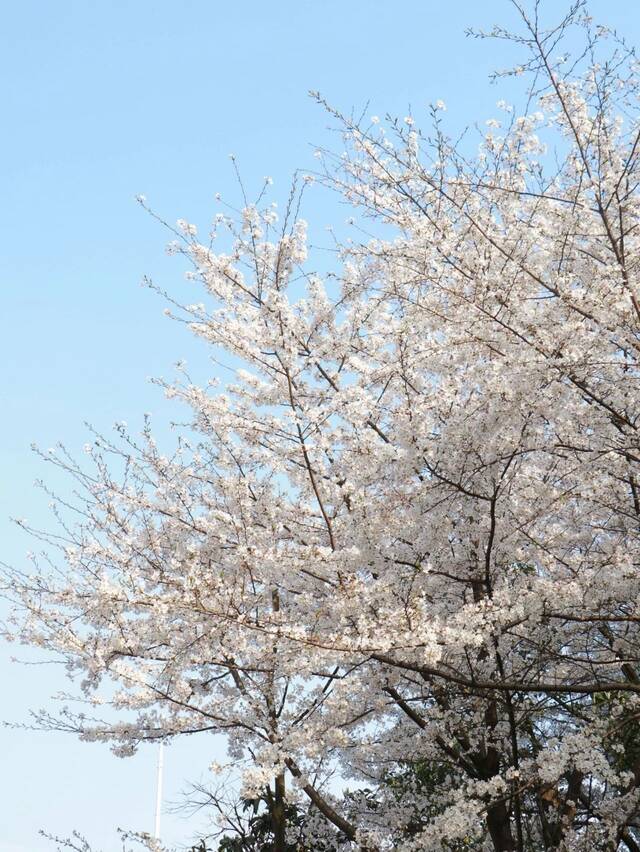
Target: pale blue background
[{"x": 103, "y": 100}]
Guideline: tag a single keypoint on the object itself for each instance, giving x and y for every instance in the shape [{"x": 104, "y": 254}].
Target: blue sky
[{"x": 104, "y": 100}]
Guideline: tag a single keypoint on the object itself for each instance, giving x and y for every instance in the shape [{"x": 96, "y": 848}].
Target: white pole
[{"x": 156, "y": 831}]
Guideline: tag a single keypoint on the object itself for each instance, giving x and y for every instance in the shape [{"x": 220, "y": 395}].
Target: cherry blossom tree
[{"x": 401, "y": 544}]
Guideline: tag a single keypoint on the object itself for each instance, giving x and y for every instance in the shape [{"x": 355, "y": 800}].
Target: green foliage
[{"x": 257, "y": 834}]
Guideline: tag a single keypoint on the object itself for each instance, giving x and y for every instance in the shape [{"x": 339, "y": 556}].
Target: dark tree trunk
[
  {"x": 499, "y": 825},
  {"x": 278, "y": 816},
  {"x": 498, "y": 816}
]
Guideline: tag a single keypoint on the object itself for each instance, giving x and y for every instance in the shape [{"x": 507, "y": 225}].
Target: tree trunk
[
  {"x": 278, "y": 816},
  {"x": 499, "y": 825}
]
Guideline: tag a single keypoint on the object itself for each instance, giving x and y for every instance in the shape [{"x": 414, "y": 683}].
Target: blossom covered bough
[{"x": 402, "y": 544}]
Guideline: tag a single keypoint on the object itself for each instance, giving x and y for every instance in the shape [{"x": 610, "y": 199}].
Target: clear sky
[{"x": 103, "y": 99}]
